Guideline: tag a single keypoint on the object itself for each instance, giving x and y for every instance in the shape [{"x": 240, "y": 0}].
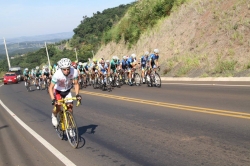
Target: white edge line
[{"x": 53, "y": 150}]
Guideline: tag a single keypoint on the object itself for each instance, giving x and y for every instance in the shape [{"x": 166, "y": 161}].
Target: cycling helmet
[
  {"x": 107, "y": 61},
  {"x": 124, "y": 57},
  {"x": 26, "y": 69},
  {"x": 64, "y": 63},
  {"x": 146, "y": 53},
  {"x": 37, "y": 67},
  {"x": 80, "y": 63},
  {"x": 94, "y": 60},
  {"x": 133, "y": 55},
  {"x": 114, "y": 57},
  {"x": 156, "y": 51}
]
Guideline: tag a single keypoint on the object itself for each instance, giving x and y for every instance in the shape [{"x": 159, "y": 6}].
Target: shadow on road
[
  {"x": 84, "y": 129},
  {"x": 3, "y": 126}
]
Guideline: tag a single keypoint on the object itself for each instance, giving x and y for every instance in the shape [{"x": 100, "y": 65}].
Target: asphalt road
[{"x": 178, "y": 124}]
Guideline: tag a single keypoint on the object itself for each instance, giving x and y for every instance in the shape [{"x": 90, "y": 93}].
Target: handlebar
[{"x": 73, "y": 98}]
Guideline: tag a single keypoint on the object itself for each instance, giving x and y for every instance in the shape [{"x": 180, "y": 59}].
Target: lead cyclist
[{"x": 60, "y": 86}]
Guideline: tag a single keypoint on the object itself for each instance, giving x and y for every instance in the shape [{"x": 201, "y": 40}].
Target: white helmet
[
  {"x": 107, "y": 61},
  {"x": 114, "y": 57},
  {"x": 80, "y": 63},
  {"x": 26, "y": 69},
  {"x": 124, "y": 57},
  {"x": 133, "y": 55},
  {"x": 156, "y": 51},
  {"x": 85, "y": 64},
  {"x": 37, "y": 67},
  {"x": 64, "y": 63},
  {"x": 146, "y": 53}
]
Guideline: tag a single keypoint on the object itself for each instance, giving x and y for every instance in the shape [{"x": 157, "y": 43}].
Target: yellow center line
[{"x": 176, "y": 106}]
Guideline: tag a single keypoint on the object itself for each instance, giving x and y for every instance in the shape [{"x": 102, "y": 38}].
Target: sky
[{"x": 39, "y": 17}]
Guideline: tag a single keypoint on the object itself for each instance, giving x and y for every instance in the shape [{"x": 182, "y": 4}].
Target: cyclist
[
  {"x": 153, "y": 62},
  {"x": 54, "y": 68},
  {"x": 46, "y": 74},
  {"x": 27, "y": 75},
  {"x": 103, "y": 69},
  {"x": 131, "y": 63},
  {"x": 60, "y": 86},
  {"x": 94, "y": 68},
  {"x": 81, "y": 72},
  {"x": 144, "y": 63},
  {"x": 38, "y": 77},
  {"x": 114, "y": 65}
]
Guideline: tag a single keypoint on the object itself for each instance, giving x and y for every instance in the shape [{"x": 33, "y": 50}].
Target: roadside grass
[{"x": 1, "y": 75}]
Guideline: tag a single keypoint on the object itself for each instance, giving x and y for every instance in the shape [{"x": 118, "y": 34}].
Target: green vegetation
[
  {"x": 140, "y": 17},
  {"x": 92, "y": 28}
]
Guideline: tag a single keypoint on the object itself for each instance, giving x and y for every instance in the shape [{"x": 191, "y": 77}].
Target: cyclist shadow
[{"x": 84, "y": 129}]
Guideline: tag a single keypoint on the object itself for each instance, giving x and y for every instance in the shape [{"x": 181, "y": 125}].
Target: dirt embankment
[{"x": 202, "y": 38}]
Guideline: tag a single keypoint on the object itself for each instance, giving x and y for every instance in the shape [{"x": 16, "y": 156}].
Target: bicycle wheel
[
  {"x": 95, "y": 83},
  {"x": 71, "y": 130},
  {"x": 47, "y": 86},
  {"x": 117, "y": 82},
  {"x": 137, "y": 79},
  {"x": 108, "y": 84},
  {"x": 60, "y": 127},
  {"x": 149, "y": 81},
  {"x": 157, "y": 80}
]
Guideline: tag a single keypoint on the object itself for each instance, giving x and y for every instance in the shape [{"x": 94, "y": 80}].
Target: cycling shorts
[{"x": 60, "y": 95}]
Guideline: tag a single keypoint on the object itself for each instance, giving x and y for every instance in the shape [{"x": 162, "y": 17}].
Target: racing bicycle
[{"x": 67, "y": 124}]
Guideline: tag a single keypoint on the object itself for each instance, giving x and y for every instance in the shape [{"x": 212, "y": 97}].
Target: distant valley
[{"x": 22, "y": 45}]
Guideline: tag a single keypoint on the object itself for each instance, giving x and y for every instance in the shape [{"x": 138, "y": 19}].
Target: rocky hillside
[{"x": 201, "y": 38}]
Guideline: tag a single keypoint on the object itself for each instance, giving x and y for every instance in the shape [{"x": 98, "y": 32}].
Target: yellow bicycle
[{"x": 67, "y": 123}]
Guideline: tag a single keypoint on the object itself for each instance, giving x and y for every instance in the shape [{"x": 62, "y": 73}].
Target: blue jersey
[
  {"x": 144, "y": 60},
  {"x": 153, "y": 57},
  {"x": 124, "y": 64},
  {"x": 130, "y": 61}
]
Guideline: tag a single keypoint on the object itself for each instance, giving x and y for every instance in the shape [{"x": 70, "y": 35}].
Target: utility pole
[
  {"x": 76, "y": 55},
  {"x": 7, "y": 53},
  {"x": 92, "y": 54},
  {"x": 47, "y": 55}
]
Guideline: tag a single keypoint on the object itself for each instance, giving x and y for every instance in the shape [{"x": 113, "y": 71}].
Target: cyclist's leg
[
  {"x": 142, "y": 74},
  {"x": 56, "y": 109},
  {"x": 69, "y": 103}
]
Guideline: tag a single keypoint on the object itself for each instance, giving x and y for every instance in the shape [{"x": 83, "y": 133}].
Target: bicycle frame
[
  {"x": 64, "y": 106},
  {"x": 65, "y": 125}
]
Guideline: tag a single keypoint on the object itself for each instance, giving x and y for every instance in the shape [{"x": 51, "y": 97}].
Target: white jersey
[{"x": 62, "y": 82}]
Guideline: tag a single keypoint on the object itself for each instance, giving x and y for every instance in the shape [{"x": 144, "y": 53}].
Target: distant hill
[
  {"x": 56, "y": 36},
  {"x": 22, "y": 45}
]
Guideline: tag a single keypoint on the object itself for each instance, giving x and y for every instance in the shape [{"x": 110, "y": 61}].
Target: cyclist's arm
[
  {"x": 156, "y": 63},
  {"x": 51, "y": 88},
  {"x": 76, "y": 85}
]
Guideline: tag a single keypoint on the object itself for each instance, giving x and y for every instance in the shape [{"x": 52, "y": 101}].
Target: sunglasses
[{"x": 66, "y": 69}]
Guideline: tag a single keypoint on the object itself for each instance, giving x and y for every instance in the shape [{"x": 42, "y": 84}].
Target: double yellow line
[{"x": 176, "y": 106}]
